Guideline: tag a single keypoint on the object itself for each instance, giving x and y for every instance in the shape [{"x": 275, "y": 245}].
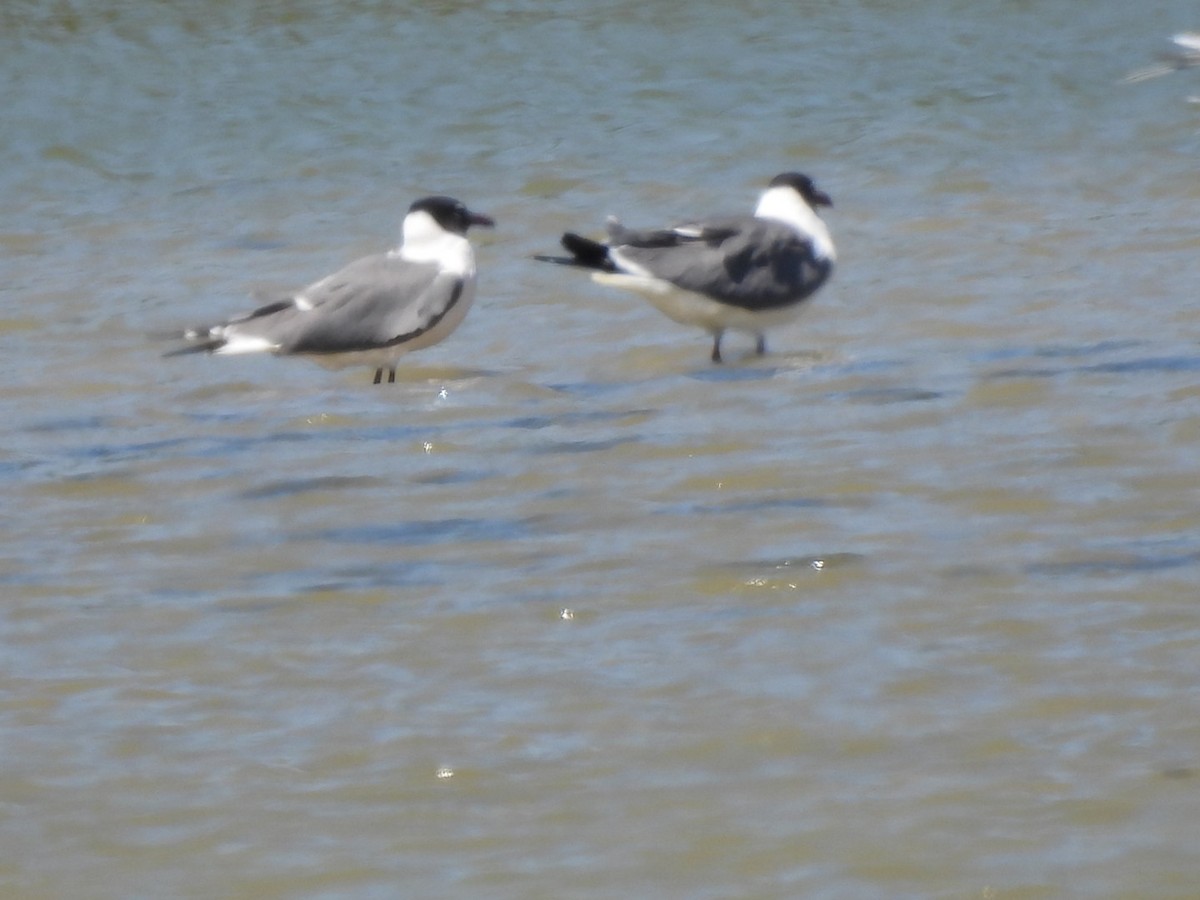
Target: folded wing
[
  {"x": 378, "y": 301},
  {"x": 756, "y": 264}
]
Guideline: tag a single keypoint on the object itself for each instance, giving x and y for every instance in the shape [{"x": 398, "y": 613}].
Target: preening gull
[
  {"x": 740, "y": 273},
  {"x": 374, "y": 310}
]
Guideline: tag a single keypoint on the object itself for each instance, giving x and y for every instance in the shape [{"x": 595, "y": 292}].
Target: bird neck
[
  {"x": 784, "y": 205},
  {"x": 424, "y": 240}
]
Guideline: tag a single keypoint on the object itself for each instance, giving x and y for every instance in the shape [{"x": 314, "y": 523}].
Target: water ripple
[
  {"x": 292, "y": 487},
  {"x": 434, "y": 531},
  {"x": 1116, "y": 564}
]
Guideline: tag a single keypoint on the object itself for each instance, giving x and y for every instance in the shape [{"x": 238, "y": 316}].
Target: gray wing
[
  {"x": 685, "y": 233},
  {"x": 756, "y": 264},
  {"x": 374, "y": 302}
]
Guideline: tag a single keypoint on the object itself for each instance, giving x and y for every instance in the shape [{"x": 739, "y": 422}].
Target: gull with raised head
[{"x": 739, "y": 273}]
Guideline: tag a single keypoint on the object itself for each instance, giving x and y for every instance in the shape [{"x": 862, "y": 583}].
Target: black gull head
[
  {"x": 804, "y": 186},
  {"x": 451, "y": 214}
]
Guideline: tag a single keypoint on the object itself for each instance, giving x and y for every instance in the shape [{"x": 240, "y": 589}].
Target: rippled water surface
[{"x": 906, "y": 608}]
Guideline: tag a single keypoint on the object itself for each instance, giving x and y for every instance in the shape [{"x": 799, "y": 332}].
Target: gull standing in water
[
  {"x": 374, "y": 310},
  {"x": 740, "y": 273}
]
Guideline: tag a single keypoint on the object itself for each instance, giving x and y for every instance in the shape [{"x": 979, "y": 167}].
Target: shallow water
[{"x": 906, "y": 608}]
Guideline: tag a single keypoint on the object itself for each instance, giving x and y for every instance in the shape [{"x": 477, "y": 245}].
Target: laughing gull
[
  {"x": 745, "y": 273},
  {"x": 374, "y": 310},
  {"x": 1185, "y": 55}
]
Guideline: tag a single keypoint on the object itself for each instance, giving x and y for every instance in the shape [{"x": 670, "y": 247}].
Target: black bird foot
[
  {"x": 391, "y": 376},
  {"x": 716, "y": 354},
  {"x": 378, "y": 376},
  {"x": 761, "y": 346}
]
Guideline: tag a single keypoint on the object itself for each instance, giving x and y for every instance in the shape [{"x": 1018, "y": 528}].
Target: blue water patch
[
  {"x": 72, "y": 423},
  {"x": 1054, "y": 351},
  {"x": 125, "y": 452},
  {"x": 745, "y": 506},
  {"x": 588, "y": 388},
  {"x": 453, "y": 476},
  {"x": 734, "y": 373},
  {"x": 797, "y": 563},
  {"x": 358, "y": 578},
  {"x": 886, "y": 396},
  {"x": 534, "y": 423},
  {"x": 1116, "y": 564},
  {"x": 1163, "y": 364},
  {"x": 584, "y": 446},
  {"x": 294, "y": 486},
  {"x": 418, "y": 533},
  {"x": 869, "y": 366},
  {"x": 251, "y": 242},
  {"x": 12, "y": 469},
  {"x": 1151, "y": 365}
]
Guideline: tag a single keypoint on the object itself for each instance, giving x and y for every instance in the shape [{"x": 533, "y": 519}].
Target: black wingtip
[{"x": 586, "y": 252}]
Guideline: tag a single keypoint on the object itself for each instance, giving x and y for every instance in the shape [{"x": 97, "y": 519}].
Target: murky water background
[{"x": 907, "y": 608}]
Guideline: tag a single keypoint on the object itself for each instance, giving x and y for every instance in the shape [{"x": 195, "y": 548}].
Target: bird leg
[
  {"x": 761, "y": 346},
  {"x": 378, "y": 376},
  {"x": 716, "y": 354},
  {"x": 392, "y": 375}
]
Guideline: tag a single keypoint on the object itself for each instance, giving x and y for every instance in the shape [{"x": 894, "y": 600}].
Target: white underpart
[
  {"x": 783, "y": 204},
  {"x": 244, "y": 343},
  {"x": 690, "y": 308}
]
